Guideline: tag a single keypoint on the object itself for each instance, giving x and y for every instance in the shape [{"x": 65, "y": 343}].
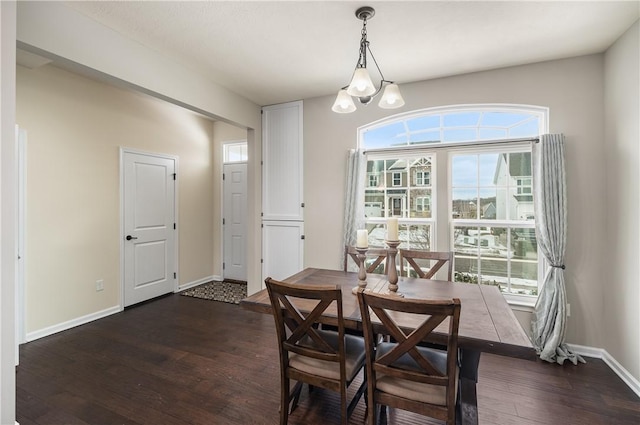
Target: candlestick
[
  {"x": 391, "y": 266},
  {"x": 362, "y": 271},
  {"x": 362, "y": 239},
  {"x": 392, "y": 229}
]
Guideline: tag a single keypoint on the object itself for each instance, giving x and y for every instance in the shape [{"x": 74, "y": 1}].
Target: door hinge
[
  {"x": 302, "y": 237},
  {"x": 174, "y": 176},
  {"x": 222, "y": 176},
  {"x": 223, "y": 221},
  {"x": 261, "y": 261},
  {"x": 302, "y": 205},
  {"x": 262, "y": 226},
  {"x": 175, "y": 275},
  {"x": 174, "y": 226},
  {"x": 223, "y": 265},
  {"x": 261, "y": 162}
]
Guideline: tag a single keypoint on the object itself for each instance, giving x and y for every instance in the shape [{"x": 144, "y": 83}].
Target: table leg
[{"x": 467, "y": 404}]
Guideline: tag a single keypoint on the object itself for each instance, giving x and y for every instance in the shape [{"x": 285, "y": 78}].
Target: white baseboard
[
  {"x": 613, "y": 364},
  {"x": 32, "y": 336},
  {"x": 198, "y": 282}
]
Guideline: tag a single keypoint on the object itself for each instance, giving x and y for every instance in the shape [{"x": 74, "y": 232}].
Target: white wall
[
  {"x": 7, "y": 218},
  {"x": 75, "y": 127},
  {"x": 621, "y": 281},
  {"x": 572, "y": 89}
]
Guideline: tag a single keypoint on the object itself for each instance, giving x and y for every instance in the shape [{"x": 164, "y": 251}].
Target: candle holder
[
  {"x": 391, "y": 266},
  {"x": 362, "y": 271}
]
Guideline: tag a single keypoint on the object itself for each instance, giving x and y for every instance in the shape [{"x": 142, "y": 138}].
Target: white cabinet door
[
  {"x": 282, "y": 248},
  {"x": 282, "y": 162}
]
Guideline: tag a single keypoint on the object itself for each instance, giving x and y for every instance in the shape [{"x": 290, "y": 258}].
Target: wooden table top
[{"x": 487, "y": 323}]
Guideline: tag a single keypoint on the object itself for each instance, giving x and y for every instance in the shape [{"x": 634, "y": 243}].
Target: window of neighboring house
[
  {"x": 524, "y": 186},
  {"x": 488, "y": 193},
  {"x": 422, "y": 178},
  {"x": 423, "y": 203},
  {"x": 235, "y": 152},
  {"x": 373, "y": 180},
  {"x": 397, "y": 179}
]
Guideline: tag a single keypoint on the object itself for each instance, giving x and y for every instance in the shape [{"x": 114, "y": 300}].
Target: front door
[
  {"x": 235, "y": 221},
  {"x": 149, "y": 226}
]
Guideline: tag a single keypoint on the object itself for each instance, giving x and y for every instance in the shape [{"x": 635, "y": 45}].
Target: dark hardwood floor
[{"x": 182, "y": 360}]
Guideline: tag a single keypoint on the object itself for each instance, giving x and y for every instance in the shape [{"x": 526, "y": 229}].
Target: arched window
[
  {"x": 459, "y": 179},
  {"x": 455, "y": 124}
]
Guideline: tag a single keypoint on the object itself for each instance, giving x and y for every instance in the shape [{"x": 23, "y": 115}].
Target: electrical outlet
[
  {"x": 99, "y": 285},
  {"x": 568, "y": 310}
]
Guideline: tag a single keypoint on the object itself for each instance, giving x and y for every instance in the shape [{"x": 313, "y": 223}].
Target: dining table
[{"x": 487, "y": 323}]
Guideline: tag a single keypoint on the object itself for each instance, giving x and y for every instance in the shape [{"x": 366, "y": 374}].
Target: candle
[
  {"x": 392, "y": 229},
  {"x": 362, "y": 240}
]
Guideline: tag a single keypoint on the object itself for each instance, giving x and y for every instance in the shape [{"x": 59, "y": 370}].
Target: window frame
[{"x": 441, "y": 191}]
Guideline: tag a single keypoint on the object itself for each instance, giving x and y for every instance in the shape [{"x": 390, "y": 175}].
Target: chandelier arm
[{"x": 376, "y": 64}]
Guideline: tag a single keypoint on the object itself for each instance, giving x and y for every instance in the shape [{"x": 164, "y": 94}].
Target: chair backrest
[
  {"x": 434, "y": 259},
  {"x": 378, "y": 254},
  {"x": 297, "y": 332},
  {"x": 392, "y": 360}
]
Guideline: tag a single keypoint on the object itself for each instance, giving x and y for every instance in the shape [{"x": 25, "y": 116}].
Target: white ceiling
[{"x": 277, "y": 51}]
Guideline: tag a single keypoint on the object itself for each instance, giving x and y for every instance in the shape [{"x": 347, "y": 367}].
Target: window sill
[{"x": 519, "y": 304}]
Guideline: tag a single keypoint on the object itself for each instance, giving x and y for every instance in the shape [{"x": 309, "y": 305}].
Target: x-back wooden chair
[
  {"x": 435, "y": 259},
  {"x": 318, "y": 357},
  {"x": 379, "y": 255},
  {"x": 403, "y": 374}
]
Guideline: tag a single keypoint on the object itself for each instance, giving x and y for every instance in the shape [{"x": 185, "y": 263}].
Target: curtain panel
[
  {"x": 550, "y": 203},
  {"x": 354, "y": 199}
]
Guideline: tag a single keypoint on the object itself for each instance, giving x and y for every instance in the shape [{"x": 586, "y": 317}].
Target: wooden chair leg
[
  {"x": 284, "y": 402},
  {"x": 343, "y": 406},
  {"x": 295, "y": 393}
]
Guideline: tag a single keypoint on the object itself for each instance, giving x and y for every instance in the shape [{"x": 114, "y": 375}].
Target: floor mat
[{"x": 228, "y": 292}]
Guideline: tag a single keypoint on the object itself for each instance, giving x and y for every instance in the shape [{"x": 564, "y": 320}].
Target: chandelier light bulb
[
  {"x": 344, "y": 103},
  {"x": 361, "y": 84},
  {"x": 391, "y": 97}
]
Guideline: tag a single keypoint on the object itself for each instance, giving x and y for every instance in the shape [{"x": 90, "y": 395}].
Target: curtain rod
[{"x": 450, "y": 145}]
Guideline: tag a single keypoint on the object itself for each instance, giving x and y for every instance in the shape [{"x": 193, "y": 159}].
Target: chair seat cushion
[
  {"x": 418, "y": 391},
  {"x": 354, "y": 357}
]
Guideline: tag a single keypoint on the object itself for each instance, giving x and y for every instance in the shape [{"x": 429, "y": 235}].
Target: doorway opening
[{"x": 234, "y": 211}]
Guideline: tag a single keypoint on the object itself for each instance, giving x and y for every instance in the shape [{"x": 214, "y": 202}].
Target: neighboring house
[
  {"x": 489, "y": 211},
  {"x": 513, "y": 172},
  {"x": 400, "y": 187}
]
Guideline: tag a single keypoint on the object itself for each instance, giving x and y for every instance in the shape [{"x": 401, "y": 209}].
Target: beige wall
[
  {"x": 622, "y": 164},
  {"x": 75, "y": 128},
  {"x": 571, "y": 88}
]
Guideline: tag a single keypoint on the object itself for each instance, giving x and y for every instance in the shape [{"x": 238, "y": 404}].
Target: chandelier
[{"x": 361, "y": 85}]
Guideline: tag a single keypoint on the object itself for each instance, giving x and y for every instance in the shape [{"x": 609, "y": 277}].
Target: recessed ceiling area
[{"x": 277, "y": 51}]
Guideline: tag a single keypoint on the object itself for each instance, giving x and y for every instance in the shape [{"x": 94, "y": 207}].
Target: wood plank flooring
[{"x": 182, "y": 360}]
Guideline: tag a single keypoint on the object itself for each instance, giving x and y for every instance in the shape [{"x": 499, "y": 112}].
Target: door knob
[{"x": 129, "y": 237}]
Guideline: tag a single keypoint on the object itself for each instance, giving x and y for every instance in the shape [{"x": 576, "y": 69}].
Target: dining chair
[
  {"x": 379, "y": 256},
  {"x": 402, "y": 374},
  {"x": 317, "y": 357},
  {"x": 434, "y": 261}
]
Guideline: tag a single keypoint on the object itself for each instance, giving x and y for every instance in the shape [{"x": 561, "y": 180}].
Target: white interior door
[
  {"x": 149, "y": 226},
  {"x": 235, "y": 221}
]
